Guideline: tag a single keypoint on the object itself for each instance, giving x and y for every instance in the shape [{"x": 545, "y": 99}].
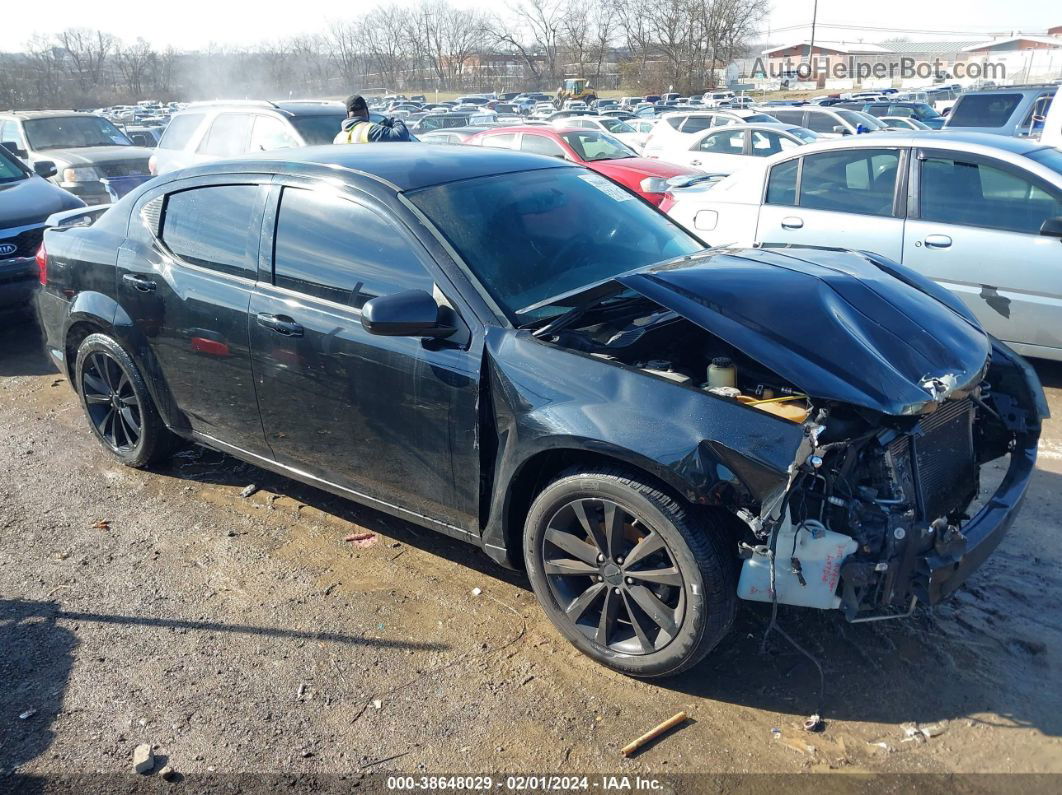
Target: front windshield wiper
[{"x": 571, "y": 316}]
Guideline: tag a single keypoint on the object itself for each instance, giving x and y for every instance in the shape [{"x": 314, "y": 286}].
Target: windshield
[
  {"x": 533, "y": 235},
  {"x": 10, "y": 170},
  {"x": 857, "y": 117},
  {"x": 616, "y": 126},
  {"x": 591, "y": 146},
  {"x": 318, "y": 129},
  {"x": 803, "y": 133},
  {"x": 72, "y": 132},
  {"x": 1048, "y": 156}
]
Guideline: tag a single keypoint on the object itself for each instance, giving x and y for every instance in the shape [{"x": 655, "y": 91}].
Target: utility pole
[{"x": 811, "y": 47}]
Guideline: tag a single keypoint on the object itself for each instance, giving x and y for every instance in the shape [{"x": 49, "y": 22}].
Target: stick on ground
[{"x": 653, "y": 733}]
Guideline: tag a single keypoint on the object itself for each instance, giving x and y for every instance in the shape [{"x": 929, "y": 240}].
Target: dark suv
[{"x": 521, "y": 354}]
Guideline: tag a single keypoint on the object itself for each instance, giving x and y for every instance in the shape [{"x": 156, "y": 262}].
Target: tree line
[{"x": 650, "y": 45}]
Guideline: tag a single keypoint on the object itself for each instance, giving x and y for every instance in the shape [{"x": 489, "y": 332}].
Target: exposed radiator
[{"x": 941, "y": 454}]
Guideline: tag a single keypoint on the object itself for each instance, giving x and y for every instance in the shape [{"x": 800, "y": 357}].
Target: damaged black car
[{"x": 523, "y": 355}]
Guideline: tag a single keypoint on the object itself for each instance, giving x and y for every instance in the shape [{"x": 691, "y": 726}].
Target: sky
[{"x": 195, "y": 24}]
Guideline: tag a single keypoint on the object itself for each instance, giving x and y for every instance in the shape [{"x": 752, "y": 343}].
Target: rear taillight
[{"x": 42, "y": 264}]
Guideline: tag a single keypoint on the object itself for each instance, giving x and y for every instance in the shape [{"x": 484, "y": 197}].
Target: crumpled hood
[
  {"x": 838, "y": 324},
  {"x": 31, "y": 200}
]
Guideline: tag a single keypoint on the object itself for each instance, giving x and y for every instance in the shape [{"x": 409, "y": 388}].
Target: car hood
[
  {"x": 840, "y": 325},
  {"x": 30, "y": 201},
  {"x": 639, "y": 167},
  {"x": 86, "y": 156}
]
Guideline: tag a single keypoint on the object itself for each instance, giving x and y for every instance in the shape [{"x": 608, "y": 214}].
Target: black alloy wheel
[
  {"x": 110, "y": 401},
  {"x": 117, "y": 403},
  {"x": 635, "y": 577},
  {"x": 614, "y": 576}
]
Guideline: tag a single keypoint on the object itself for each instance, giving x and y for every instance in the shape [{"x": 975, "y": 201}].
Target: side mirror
[
  {"x": 1052, "y": 227},
  {"x": 840, "y": 130},
  {"x": 13, "y": 148},
  {"x": 410, "y": 313},
  {"x": 45, "y": 168}
]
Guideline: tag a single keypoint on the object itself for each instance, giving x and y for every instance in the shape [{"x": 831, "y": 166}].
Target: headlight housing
[{"x": 80, "y": 174}]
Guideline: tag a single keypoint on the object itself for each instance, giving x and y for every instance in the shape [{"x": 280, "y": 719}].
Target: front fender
[{"x": 709, "y": 450}]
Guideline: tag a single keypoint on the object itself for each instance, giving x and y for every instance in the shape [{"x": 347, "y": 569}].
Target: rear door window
[
  {"x": 179, "y": 130},
  {"x": 333, "y": 248},
  {"x": 984, "y": 110},
  {"x": 500, "y": 141},
  {"x": 781, "y": 184},
  {"x": 969, "y": 193},
  {"x": 765, "y": 143},
  {"x": 795, "y": 117},
  {"x": 269, "y": 133},
  {"x": 859, "y": 181},
  {"x": 229, "y": 135},
  {"x": 821, "y": 122},
  {"x": 212, "y": 227},
  {"x": 540, "y": 145},
  {"x": 695, "y": 124},
  {"x": 724, "y": 143}
]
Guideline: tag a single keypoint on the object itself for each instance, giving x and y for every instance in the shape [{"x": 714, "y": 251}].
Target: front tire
[
  {"x": 627, "y": 574},
  {"x": 117, "y": 403}
]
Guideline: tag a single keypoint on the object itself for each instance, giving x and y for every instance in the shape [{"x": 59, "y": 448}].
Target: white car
[
  {"x": 714, "y": 99},
  {"x": 979, "y": 214},
  {"x": 575, "y": 104},
  {"x": 724, "y": 150},
  {"x": 617, "y": 128},
  {"x": 543, "y": 110},
  {"x": 677, "y": 126}
]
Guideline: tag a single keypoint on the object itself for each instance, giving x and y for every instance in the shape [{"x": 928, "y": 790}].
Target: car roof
[
  {"x": 404, "y": 166},
  {"x": 973, "y": 141},
  {"x": 47, "y": 114},
  {"x": 295, "y": 107}
]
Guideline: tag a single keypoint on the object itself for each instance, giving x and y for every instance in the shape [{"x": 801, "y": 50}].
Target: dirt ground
[{"x": 244, "y": 635}]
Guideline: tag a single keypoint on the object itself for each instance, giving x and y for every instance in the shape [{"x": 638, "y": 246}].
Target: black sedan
[
  {"x": 27, "y": 198},
  {"x": 521, "y": 354}
]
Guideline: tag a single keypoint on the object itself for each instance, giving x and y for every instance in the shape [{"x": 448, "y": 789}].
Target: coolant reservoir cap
[{"x": 722, "y": 361}]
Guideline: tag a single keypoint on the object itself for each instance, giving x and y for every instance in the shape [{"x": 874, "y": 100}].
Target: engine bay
[{"x": 870, "y": 495}]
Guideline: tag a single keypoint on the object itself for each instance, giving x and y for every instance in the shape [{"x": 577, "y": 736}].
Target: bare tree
[{"x": 135, "y": 62}]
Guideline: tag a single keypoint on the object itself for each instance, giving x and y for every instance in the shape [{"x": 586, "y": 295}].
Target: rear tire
[
  {"x": 117, "y": 403},
  {"x": 627, "y": 573}
]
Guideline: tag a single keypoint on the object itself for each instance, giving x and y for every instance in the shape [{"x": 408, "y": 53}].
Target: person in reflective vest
[{"x": 358, "y": 129}]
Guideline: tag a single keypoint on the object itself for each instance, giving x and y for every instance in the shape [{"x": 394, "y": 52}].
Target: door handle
[
  {"x": 792, "y": 222},
  {"x": 937, "y": 241},
  {"x": 141, "y": 283},
  {"x": 281, "y": 324}
]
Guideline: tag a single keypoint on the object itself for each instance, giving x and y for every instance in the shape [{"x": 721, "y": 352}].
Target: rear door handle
[
  {"x": 141, "y": 283},
  {"x": 281, "y": 324},
  {"x": 938, "y": 241},
  {"x": 792, "y": 222}
]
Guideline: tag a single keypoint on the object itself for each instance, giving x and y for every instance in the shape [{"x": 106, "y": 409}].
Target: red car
[{"x": 595, "y": 150}]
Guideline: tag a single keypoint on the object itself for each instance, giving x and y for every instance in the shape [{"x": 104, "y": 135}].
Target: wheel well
[
  {"x": 544, "y": 467},
  {"x": 75, "y": 335}
]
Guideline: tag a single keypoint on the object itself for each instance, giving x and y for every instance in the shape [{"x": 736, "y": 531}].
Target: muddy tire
[
  {"x": 117, "y": 403},
  {"x": 627, "y": 574}
]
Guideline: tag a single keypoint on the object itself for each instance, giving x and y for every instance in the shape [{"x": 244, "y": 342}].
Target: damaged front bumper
[{"x": 879, "y": 550}]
